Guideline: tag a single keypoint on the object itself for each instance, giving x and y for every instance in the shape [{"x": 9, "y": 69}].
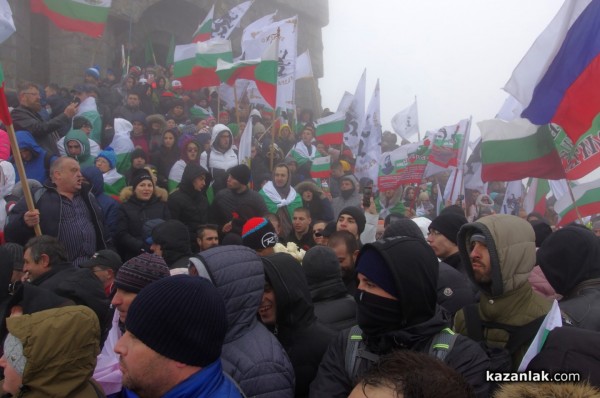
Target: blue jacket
[
  {"x": 110, "y": 207},
  {"x": 209, "y": 382},
  {"x": 37, "y": 168}
]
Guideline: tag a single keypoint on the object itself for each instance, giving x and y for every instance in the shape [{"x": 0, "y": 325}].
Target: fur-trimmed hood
[
  {"x": 547, "y": 390},
  {"x": 159, "y": 192}
]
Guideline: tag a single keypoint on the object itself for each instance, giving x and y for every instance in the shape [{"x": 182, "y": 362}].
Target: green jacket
[
  {"x": 509, "y": 299},
  {"x": 61, "y": 346}
]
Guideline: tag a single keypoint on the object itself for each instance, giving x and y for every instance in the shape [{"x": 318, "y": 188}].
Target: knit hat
[
  {"x": 241, "y": 173},
  {"x": 140, "y": 271},
  {"x": 373, "y": 266},
  {"x": 403, "y": 227},
  {"x": 448, "y": 224},
  {"x": 109, "y": 154},
  {"x": 258, "y": 233},
  {"x": 357, "y": 214},
  {"x": 182, "y": 318},
  {"x": 104, "y": 258},
  {"x": 138, "y": 176},
  {"x": 13, "y": 353},
  {"x": 93, "y": 71}
]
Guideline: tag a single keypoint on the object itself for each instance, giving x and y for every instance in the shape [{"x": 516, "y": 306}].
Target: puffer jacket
[
  {"x": 570, "y": 260},
  {"x": 219, "y": 160},
  {"x": 61, "y": 346},
  {"x": 509, "y": 299},
  {"x": 38, "y": 167},
  {"x": 251, "y": 354}
]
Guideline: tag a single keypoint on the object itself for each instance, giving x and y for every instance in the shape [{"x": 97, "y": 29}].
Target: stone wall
[{"x": 40, "y": 52}]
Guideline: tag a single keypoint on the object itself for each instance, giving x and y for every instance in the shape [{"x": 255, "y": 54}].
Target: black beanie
[
  {"x": 403, "y": 227},
  {"x": 357, "y": 214},
  {"x": 241, "y": 173},
  {"x": 258, "y": 233},
  {"x": 180, "y": 317},
  {"x": 138, "y": 176},
  {"x": 448, "y": 224},
  {"x": 542, "y": 230}
]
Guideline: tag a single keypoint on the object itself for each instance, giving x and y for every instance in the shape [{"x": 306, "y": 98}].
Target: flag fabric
[
  {"x": 446, "y": 146},
  {"x": 559, "y": 188},
  {"x": 345, "y": 102},
  {"x": 196, "y": 63},
  {"x": 149, "y": 56},
  {"x": 406, "y": 122},
  {"x": 535, "y": 198},
  {"x": 4, "y": 112},
  {"x": 222, "y": 27},
  {"x": 439, "y": 205},
  {"x": 511, "y": 109},
  {"x": 452, "y": 189},
  {"x": 7, "y": 25},
  {"x": 304, "y": 66},
  {"x": 85, "y": 16},
  {"x": 253, "y": 29},
  {"x": 369, "y": 147},
  {"x": 587, "y": 198},
  {"x": 245, "y": 148},
  {"x": 171, "y": 51},
  {"x": 472, "y": 171},
  {"x": 513, "y": 198},
  {"x": 518, "y": 149},
  {"x": 403, "y": 165},
  {"x": 330, "y": 129},
  {"x": 288, "y": 39},
  {"x": 552, "y": 320},
  {"x": 355, "y": 115},
  {"x": 321, "y": 167},
  {"x": 204, "y": 30}
]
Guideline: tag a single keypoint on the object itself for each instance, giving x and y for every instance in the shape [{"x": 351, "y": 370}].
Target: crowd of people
[{"x": 165, "y": 267}]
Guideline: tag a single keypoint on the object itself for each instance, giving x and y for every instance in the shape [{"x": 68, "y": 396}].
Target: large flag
[
  {"x": 288, "y": 38},
  {"x": 222, "y": 27},
  {"x": 245, "y": 149},
  {"x": 330, "y": 129},
  {"x": 355, "y": 115},
  {"x": 262, "y": 71},
  {"x": 406, "y": 122},
  {"x": 552, "y": 320},
  {"x": 513, "y": 198},
  {"x": 254, "y": 29},
  {"x": 587, "y": 198},
  {"x": 321, "y": 167},
  {"x": 403, "y": 165},
  {"x": 446, "y": 148},
  {"x": 517, "y": 149},
  {"x": 196, "y": 63},
  {"x": 345, "y": 102},
  {"x": 85, "y": 16},
  {"x": 7, "y": 25},
  {"x": 472, "y": 172},
  {"x": 369, "y": 147},
  {"x": 4, "y": 112},
  {"x": 535, "y": 198},
  {"x": 304, "y": 66},
  {"x": 204, "y": 30}
]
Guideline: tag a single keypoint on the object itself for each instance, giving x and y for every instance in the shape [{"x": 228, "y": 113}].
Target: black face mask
[{"x": 377, "y": 315}]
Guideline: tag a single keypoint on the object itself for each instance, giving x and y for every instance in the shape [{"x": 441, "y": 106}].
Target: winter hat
[
  {"x": 373, "y": 266},
  {"x": 258, "y": 233},
  {"x": 93, "y": 71},
  {"x": 357, "y": 214},
  {"x": 13, "y": 352},
  {"x": 12, "y": 253},
  {"x": 104, "y": 258},
  {"x": 321, "y": 264},
  {"x": 182, "y": 318},
  {"x": 542, "y": 230},
  {"x": 403, "y": 227},
  {"x": 241, "y": 173},
  {"x": 255, "y": 112},
  {"x": 109, "y": 155},
  {"x": 329, "y": 229},
  {"x": 448, "y": 224},
  {"x": 138, "y": 176},
  {"x": 141, "y": 271}
]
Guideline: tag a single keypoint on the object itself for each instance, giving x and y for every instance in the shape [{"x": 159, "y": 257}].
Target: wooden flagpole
[
  {"x": 272, "y": 149},
  {"x": 235, "y": 102},
  {"x": 575, "y": 203}
]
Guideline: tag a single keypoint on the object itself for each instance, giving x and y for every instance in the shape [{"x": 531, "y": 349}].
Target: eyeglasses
[{"x": 433, "y": 232}]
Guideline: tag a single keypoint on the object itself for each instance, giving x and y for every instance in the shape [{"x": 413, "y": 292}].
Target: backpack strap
[
  {"x": 523, "y": 335},
  {"x": 473, "y": 322},
  {"x": 442, "y": 343},
  {"x": 355, "y": 349}
]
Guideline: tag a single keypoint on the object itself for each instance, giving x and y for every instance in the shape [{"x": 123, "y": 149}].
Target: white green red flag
[
  {"x": 4, "y": 112},
  {"x": 369, "y": 148},
  {"x": 196, "y": 63},
  {"x": 406, "y": 122},
  {"x": 321, "y": 167},
  {"x": 403, "y": 165},
  {"x": 222, "y": 27},
  {"x": 513, "y": 198},
  {"x": 446, "y": 148},
  {"x": 204, "y": 30},
  {"x": 330, "y": 129},
  {"x": 7, "y": 25},
  {"x": 552, "y": 320},
  {"x": 587, "y": 199},
  {"x": 245, "y": 148},
  {"x": 85, "y": 16},
  {"x": 535, "y": 198},
  {"x": 254, "y": 28}
]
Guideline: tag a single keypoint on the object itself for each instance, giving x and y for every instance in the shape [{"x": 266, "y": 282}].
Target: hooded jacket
[
  {"x": 174, "y": 240},
  {"x": 122, "y": 144},
  {"x": 109, "y": 206},
  {"x": 508, "y": 299},
  {"x": 85, "y": 158},
  {"x": 61, "y": 346},
  {"x": 219, "y": 160},
  {"x": 415, "y": 281},
  {"x": 320, "y": 207},
  {"x": 570, "y": 260},
  {"x": 301, "y": 334},
  {"x": 37, "y": 168},
  {"x": 251, "y": 354},
  {"x": 340, "y": 202}
]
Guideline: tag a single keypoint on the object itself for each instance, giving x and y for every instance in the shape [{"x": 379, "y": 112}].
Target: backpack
[
  {"x": 500, "y": 357},
  {"x": 356, "y": 350}
]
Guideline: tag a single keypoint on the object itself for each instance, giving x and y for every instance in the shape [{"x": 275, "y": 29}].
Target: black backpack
[{"x": 356, "y": 350}]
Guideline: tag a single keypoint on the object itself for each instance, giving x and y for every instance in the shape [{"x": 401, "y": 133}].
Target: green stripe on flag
[{"x": 78, "y": 10}]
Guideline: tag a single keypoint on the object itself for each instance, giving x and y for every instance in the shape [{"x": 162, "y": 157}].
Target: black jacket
[
  {"x": 304, "y": 338},
  {"x": 174, "y": 240},
  {"x": 45, "y": 133},
  {"x": 454, "y": 290},
  {"x": 227, "y": 202}
]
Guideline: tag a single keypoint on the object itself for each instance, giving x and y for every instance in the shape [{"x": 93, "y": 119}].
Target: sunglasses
[{"x": 317, "y": 234}]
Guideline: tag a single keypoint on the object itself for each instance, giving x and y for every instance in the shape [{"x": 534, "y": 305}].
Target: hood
[
  {"x": 543, "y": 390},
  {"x": 183, "y": 148},
  {"x": 322, "y": 270},
  {"x": 122, "y": 127},
  {"x": 4, "y": 145},
  {"x": 569, "y": 257},
  {"x": 174, "y": 239},
  {"x": 84, "y": 141},
  {"x": 511, "y": 244},
  {"x": 95, "y": 178},
  {"x": 238, "y": 274},
  {"x": 351, "y": 178},
  {"x": 309, "y": 185},
  {"x": 190, "y": 173},
  {"x": 61, "y": 346},
  {"x": 217, "y": 130},
  {"x": 157, "y": 118},
  {"x": 121, "y": 142},
  {"x": 415, "y": 269},
  {"x": 294, "y": 305},
  {"x": 26, "y": 141}
]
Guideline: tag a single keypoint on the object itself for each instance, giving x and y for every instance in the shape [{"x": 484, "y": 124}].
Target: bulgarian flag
[
  {"x": 85, "y": 16},
  {"x": 321, "y": 167},
  {"x": 330, "y": 129},
  {"x": 204, "y": 30},
  {"x": 262, "y": 71},
  {"x": 552, "y": 320},
  {"x": 4, "y": 112},
  {"x": 195, "y": 63},
  {"x": 535, "y": 199},
  {"x": 587, "y": 199}
]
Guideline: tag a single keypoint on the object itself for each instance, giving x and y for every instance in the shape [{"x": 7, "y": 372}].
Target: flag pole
[
  {"x": 272, "y": 149},
  {"x": 575, "y": 204},
  {"x": 235, "y": 102},
  {"x": 219, "y": 104},
  {"x": 418, "y": 132}
]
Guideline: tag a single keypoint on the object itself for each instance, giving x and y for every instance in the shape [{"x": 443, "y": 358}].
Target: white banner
[
  {"x": 222, "y": 27},
  {"x": 355, "y": 115},
  {"x": 406, "y": 122},
  {"x": 304, "y": 66},
  {"x": 369, "y": 147},
  {"x": 7, "y": 25}
]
